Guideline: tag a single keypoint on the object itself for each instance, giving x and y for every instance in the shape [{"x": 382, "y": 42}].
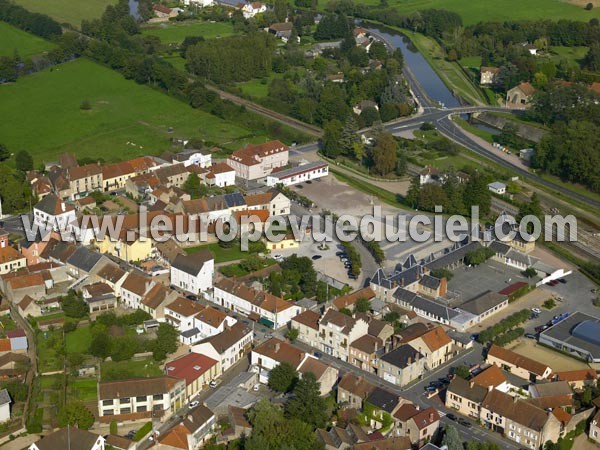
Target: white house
[
  {"x": 196, "y": 157},
  {"x": 497, "y": 188},
  {"x": 299, "y": 174},
  {"x": 220, "y": 175},
  {"x": 180, "y": 313},
  {"x": 273, "y": 201},
  {"x": 53, "y": 213},
  {"x": 4, "y": 406},
  {"x": 255, "y": 162},
  {"x": 200, "y": 3},
  {"x": 211, "y": 321},
  {"x": 134, "y": 288},
  {"x": 252, "y": 9},
  {"x": 193, "y": 273},
  {"x": 227, "y": 347},
  {"x": 240, "y": 297}
]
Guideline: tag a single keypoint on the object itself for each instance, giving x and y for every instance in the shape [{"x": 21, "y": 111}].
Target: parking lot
[{"x": 470, "y": 282}]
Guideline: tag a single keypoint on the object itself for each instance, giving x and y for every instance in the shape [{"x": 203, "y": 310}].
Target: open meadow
[
  {"x": 67, "y": 11},
  {"x": 12, "y": 39},
  {"x": 42, "y": 114},
  {"x": 475, "y": 11},
  {"x": 175, "y": 33}
]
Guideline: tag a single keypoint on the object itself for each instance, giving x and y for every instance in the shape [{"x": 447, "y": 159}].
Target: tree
[
  {"x": 23, "y": 161},
  {"x": 332, "y": 134},
  {"x": 74, "y": 306},
  {"x": 462, "y": 371},
  {"x": 378, "y": 50},
  {"x": 4, "y": 153},
  {"x": 166, "y": 341},
  {"x": 292, "y": 334},
  {"x": 385, "y": 153},
  {"x": 307, "y": 405},
  {"x": 362, "y": 305},
  {"x": 592, "y": 58},
  {"x": 530, "y": 272},
  {"x": 281, "y": 10},
  {"x": 452, "y": 55},
  {"x": 412, "y": 196},
  {"x": 589, "y": 6},
  {"x": 479, "y": 256},
  {"x": 100, "y": 345},
  {"x": 193, "y": 186},
  {"x": 114, "y": 427},
  {"x": 85, "y": 105},
  {"x": 282, "y": 378},
  {"x": 369, "y": 116},
  {"x": 476, "y": 193},
  {"x": 349, "y": 136},
  {"x": 442, "y": 273},
  {"x": 77, "y": 415},
  {"x": 451, "y": 438},
  {"x": 540, "y": 80}
]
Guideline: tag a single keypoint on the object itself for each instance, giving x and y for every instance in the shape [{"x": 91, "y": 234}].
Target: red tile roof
[{"x": 189, "y": 367}]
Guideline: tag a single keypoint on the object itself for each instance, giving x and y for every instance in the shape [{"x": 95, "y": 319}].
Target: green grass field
[
  {"x": 12, "y": 39},
  {"x": 130, "y": 369},
  {"x": 475, "y": 11},
  {"x": 67, "y": 10},
  {"x": 175, "y": 33},
  {"x": 221, "y": 254},
  {"x": 42, "y": 114},
  {"x": 83, "y": 389},
  {"x": 78, "y": 341},
  {"x": 573, "y": 55}
]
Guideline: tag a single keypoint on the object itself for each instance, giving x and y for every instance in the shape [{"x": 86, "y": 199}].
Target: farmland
[
  {"x": 485, "y": 11},
  {"x": 20, "y": 41},
  {"x": 67, "y": 10},
  {"x": 175, "y": 33},
  {"x": 125, "y": 120}
]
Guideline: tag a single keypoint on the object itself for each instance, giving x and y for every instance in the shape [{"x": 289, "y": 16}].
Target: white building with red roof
[
  {"x": 256, "y": 161},
  {"x": 197, "y": 370}
]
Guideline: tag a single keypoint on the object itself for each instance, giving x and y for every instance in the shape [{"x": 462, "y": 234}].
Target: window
[
  {"x": 126, "y": 410},
  {"x": 140, "y": 398},
  {"x": 107, "y": 402},
  {"x": 109, "y": 412},
  {"x": 157, "y": 397}
]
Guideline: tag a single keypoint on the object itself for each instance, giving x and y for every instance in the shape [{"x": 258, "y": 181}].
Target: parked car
[
  {"x": 194, "y": 404},
  {"x": 256, "y": 387},
  {"x": 536, "y": 310},
  {"x": 317, "y": 354},
  {"x": 530, "y": 336},
  {"x": 315, "y": 257},
  {"x": 465, "y": 423},
  {"x": 192, "y": 297},
  {"x": 451, "y": 416},
  {"x": 213, "y": 383},
  {"x": 541, "y": 328}
]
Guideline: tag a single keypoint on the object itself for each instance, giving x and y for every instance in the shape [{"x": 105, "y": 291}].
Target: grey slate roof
[
  {"x": 191, "y": 332},
  {"x": 383, "y": 399},
  {"x": 235, "y": 199},
  {"x": 192, "y": 264},
  {"x": 483, "y": 303},
  {"x": 453, "y": 256},
  {"x": 4, "y": 397},
  {"x": 462, "y": 388},
  {"x": 84, "y": 259},
  {"x": 430, "y": 282},
  {"x": 500, "y": 247},
  {"x": 380, "y": 279},
  {"x": 401, "y": 356},
  {"x": 434, "y": 308}
]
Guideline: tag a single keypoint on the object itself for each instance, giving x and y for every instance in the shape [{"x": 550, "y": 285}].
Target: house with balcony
[
  {"x": 337, "y": 331},
  {"x": 140, "y": 398}
]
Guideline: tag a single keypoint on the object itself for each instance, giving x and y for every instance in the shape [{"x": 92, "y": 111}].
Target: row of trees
[
  {"x": 34, "y": 23},
  {"x": 353, "y": 257},
  {"x": 504, "y": 326}
]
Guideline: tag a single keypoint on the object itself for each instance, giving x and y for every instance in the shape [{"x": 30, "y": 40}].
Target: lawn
[
  {"x": 68, "y": 11},
  {"x": 259, "y": 87},
  {"x": 84, "y": 389},
  {"x": 573, "y": 55},
  {"x": 26, "y": 44},
  {"x": 175, "y": 33},
  {"x": 42, "y": 114},
  {"x": 78, "y": 341},
  {"x": 232, "y": 253},
  {"x": 487, "y": 11},
  {"x": 130, "y": 369},
  {"x": 48, "y": 342}
]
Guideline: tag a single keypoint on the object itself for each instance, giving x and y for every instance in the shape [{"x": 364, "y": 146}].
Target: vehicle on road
[
  {"x": 194, "y": 404},
  {"x": 192, "y": 297},
  {"x": 465, "y": 423},
  {"x": 268, "y": 335},
  {"x": 451, "y": 416},
  {"x": 317, "y": 354},
  {"x": 315, "y": 257},
  {"x": 256, "y": 387}
]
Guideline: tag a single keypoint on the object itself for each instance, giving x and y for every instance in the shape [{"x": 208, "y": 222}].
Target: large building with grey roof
[{"x": 578, "y": 335}]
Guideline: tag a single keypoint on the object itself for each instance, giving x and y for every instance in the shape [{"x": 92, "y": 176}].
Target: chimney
[
  {"x": 431, "y": 417},
  {"x": 515, "y": 398},
  {"x": 409, "y": 360},
  {"x": 471, "y": 384},
  {"x": 63, "y": 207},
  {"x": 443, "y": 287},
  {"x": 277, "y": 347},
  {"x": 190, "y": 418}
]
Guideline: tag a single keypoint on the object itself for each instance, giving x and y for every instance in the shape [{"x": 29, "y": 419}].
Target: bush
[
  {"x": 139, "y": 434},
  {"x": 442, "y": 273},
  {"x": 549, "y": 304},
  {"x": 427, "y": 126},
  {"x": 353, "y": 257},
  {"x": 374, "y": 249}
]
